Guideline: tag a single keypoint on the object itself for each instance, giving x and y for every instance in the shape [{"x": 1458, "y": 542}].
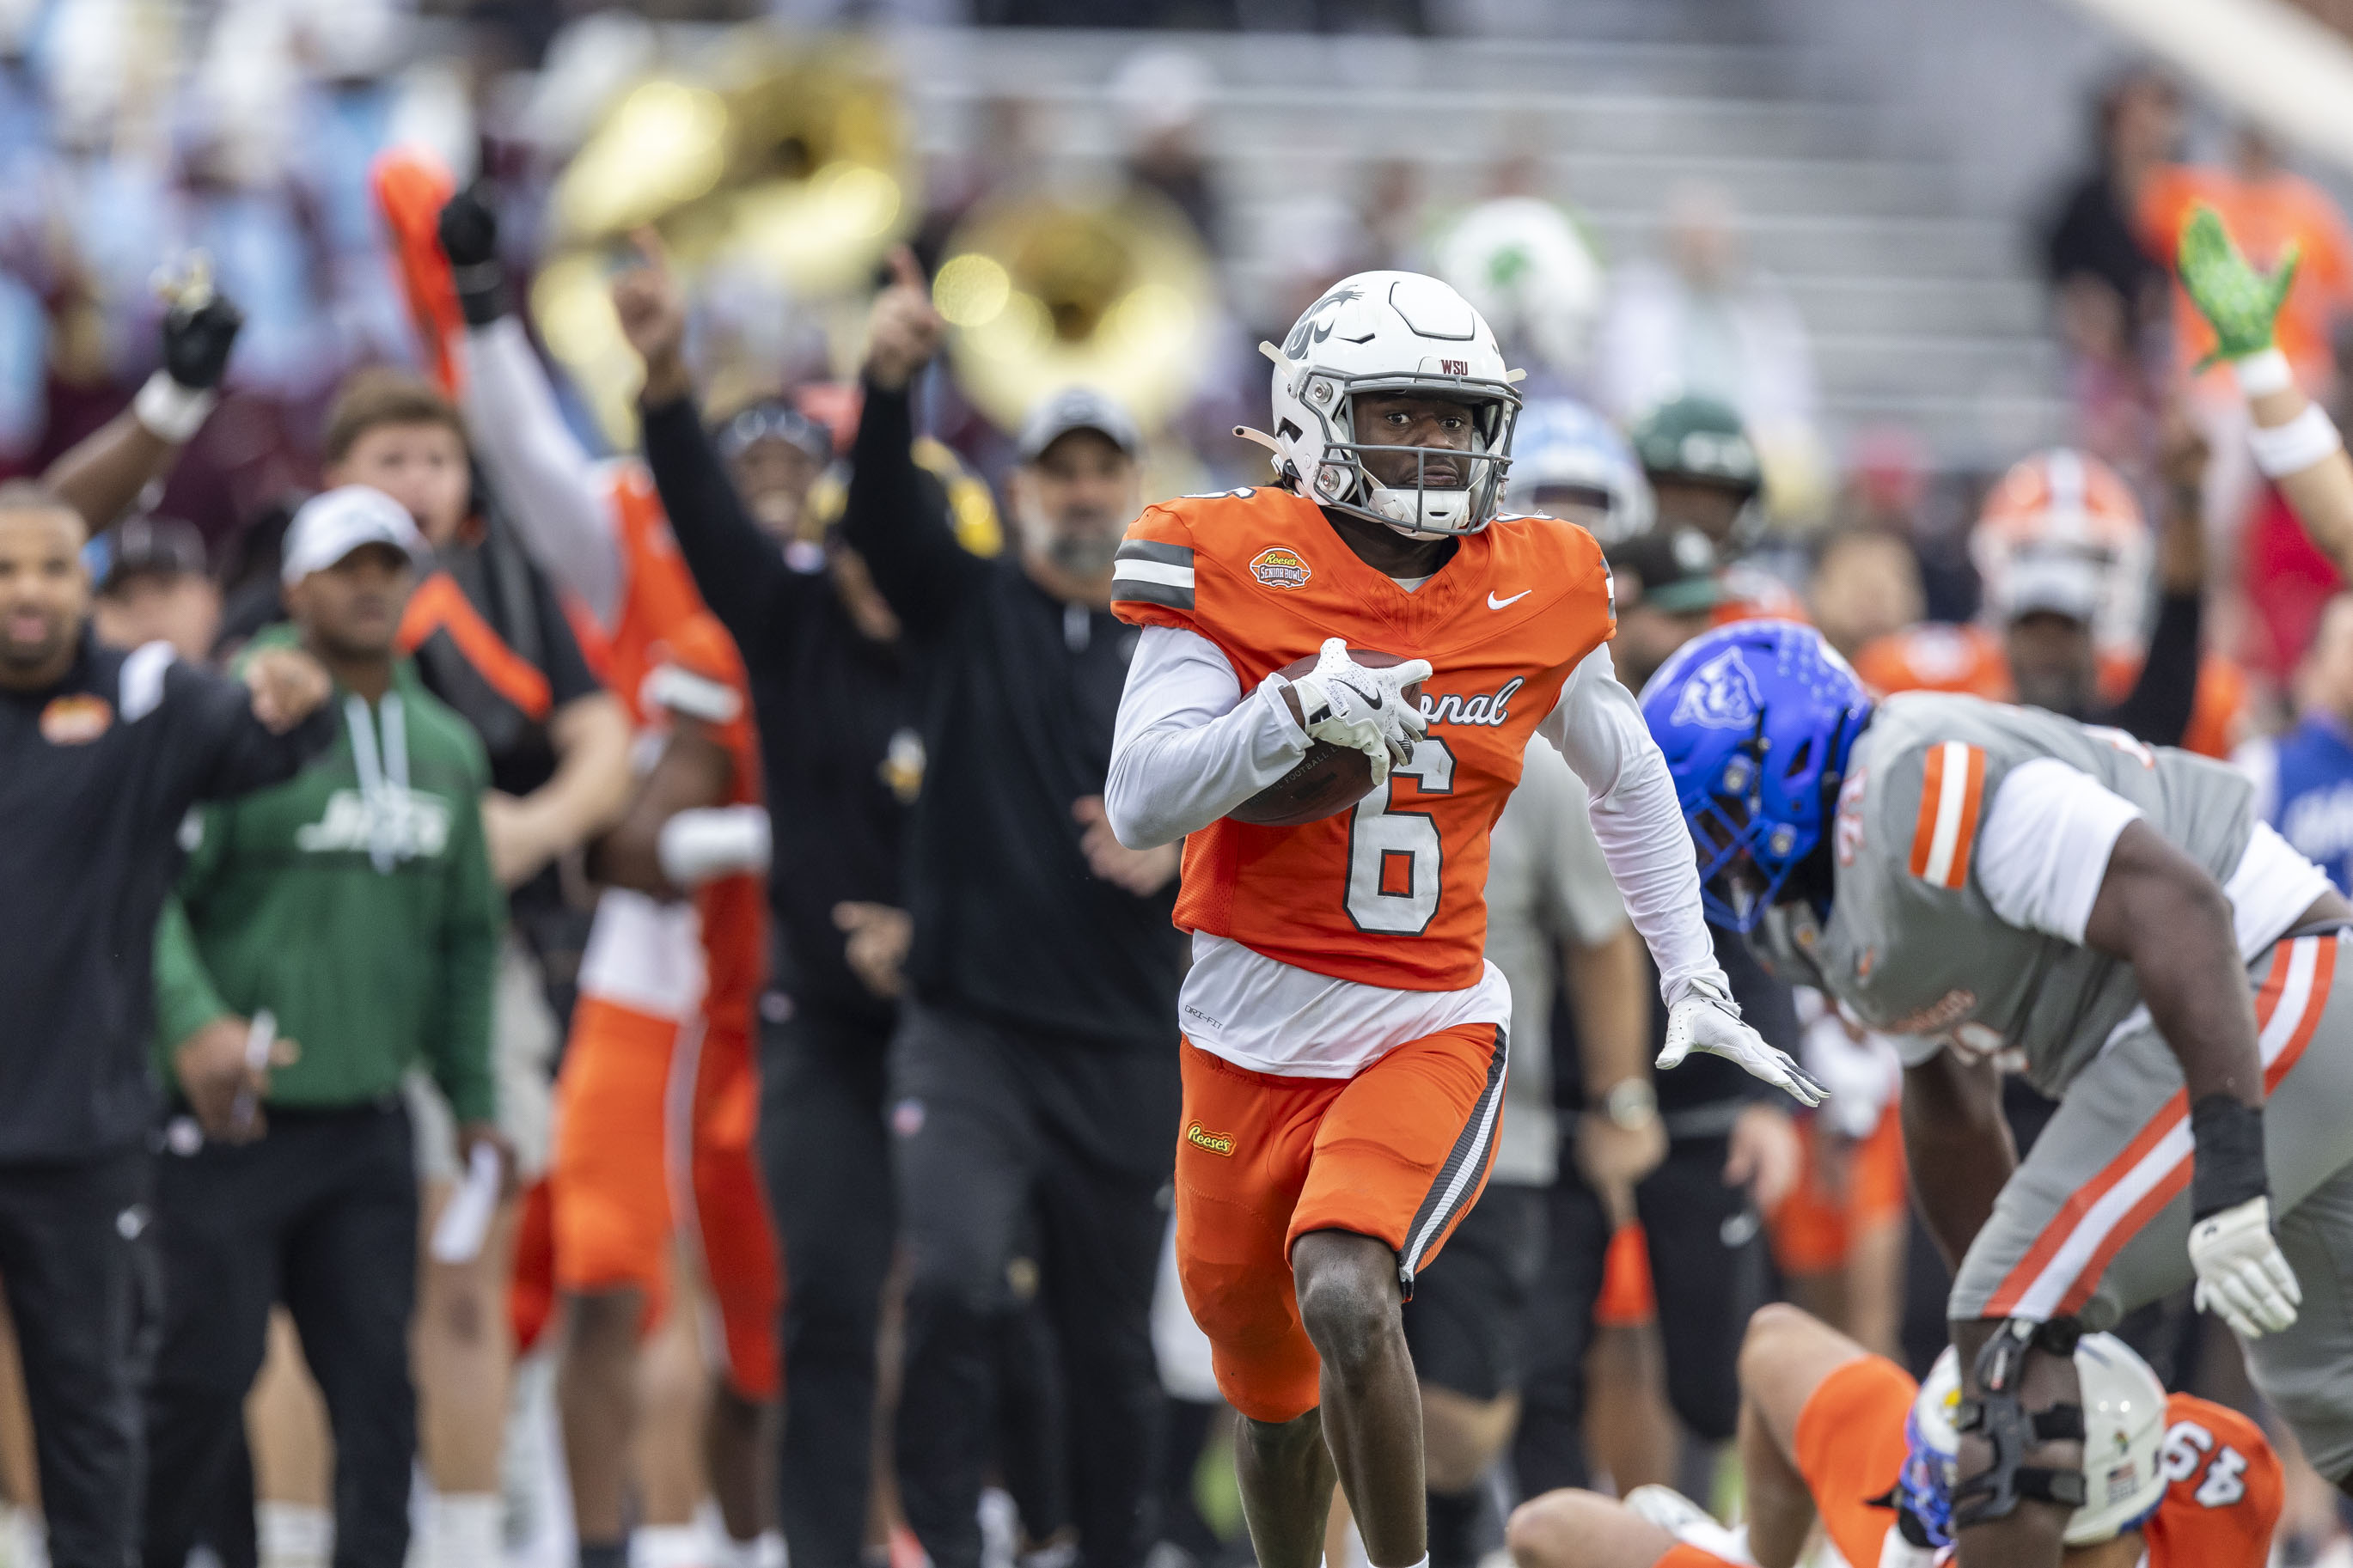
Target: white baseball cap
[{"x": 331, "y": 526}]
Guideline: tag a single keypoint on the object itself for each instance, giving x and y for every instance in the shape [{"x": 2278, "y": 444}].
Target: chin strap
[{"x": 1998, "y": 1417}]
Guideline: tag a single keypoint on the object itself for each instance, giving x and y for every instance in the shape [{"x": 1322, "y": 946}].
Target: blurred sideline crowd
[{"x": 670, "y": 1079}]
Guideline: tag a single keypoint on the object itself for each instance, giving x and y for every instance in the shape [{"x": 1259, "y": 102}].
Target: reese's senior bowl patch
[
  {"x": 1215, "y": 1143},
  {"x": 75, "y": 720},
  {"x": 1277, "y": 567}
]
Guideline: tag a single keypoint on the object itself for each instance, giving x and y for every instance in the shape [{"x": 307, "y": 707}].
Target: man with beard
[
  {"x": 101, "y": 754},
  {"x": 1035, "y": 1067}
]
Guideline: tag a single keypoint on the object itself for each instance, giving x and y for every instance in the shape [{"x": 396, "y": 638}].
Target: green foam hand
[{"x": 2238, "y": 301}]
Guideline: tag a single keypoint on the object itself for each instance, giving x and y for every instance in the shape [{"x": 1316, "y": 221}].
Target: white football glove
[
  {"x": 1705, "y": 1018},
  {"x": 2242, "y": 1274},
  {"x": 1364, "y": 710}
]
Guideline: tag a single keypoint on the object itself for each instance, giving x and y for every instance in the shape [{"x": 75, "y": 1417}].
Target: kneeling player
[{"x": 1830, "y": 1431}]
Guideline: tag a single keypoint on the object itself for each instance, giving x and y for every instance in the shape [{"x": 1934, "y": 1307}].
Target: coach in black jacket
[{"x": 101, "y": 754}]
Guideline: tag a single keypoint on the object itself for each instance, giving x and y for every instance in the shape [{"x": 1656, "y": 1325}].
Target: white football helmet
[
  {"x": 1562, "y": 445},
  {"x": 1392, "y": 333},
  {"x": 2124, "y": 1443}
]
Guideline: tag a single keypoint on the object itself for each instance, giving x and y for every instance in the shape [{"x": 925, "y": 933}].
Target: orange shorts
[
  {"x": 1627, "y": 1299},
  {"x": 1399, "y": 1153},
  {"x": 1851, "y": 1450},
  {"x": 609, "y": 1188},
  {"x": 1815, "y": 1227},
  {"x": 1681, "y": 1555}
]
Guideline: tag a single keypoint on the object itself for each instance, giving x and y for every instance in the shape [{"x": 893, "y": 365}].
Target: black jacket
[
  {"x": 96, "y": 774},
  {"x": 829, "y": 702},
  {"x": 1020, "y": 696}
]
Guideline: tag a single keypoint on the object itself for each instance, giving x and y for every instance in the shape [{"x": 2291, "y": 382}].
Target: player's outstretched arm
[
  {"x": 1597, "y": 727},
  {"x": 2295, "y": 444},
  {"x": 1188, "y": 747}
]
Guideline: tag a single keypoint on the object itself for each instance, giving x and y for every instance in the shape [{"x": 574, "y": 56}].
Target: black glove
[
  {"x": 469, "y": 238},
  {"x": 196, "y": 340}
]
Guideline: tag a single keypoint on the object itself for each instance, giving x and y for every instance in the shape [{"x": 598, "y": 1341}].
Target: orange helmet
[{"x": 2063, "y": 528}]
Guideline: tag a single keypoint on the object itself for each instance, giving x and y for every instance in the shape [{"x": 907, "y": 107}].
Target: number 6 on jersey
[{"x": 1396, "y": 859}]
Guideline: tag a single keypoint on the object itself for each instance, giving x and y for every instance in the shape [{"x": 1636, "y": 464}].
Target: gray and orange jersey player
[
  {"x": 1830, "y": 1432},
  {"x": 1344, "y": 1052},
  {"x": 1977, "y": 881}
]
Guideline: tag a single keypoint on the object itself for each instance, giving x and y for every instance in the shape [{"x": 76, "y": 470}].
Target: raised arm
[
  {"x": 2295, "y": 444},
  {"x": 740, "y": 571},
  {"x": 2165, "y": 694},
  {"x": 102, "y": 475},
  {"x": 908, "y": 544}
]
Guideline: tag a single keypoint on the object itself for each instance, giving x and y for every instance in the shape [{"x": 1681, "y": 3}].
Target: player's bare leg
[
  {"x": 1571, "y": 1528},
  {"x": 1784, "y": 1357},
  {"x": 464, "y": 1358},
  {"x": 596, "y": 1390},
  {"x": 1349, "y": 1304},
  {"x": 1287, "y": 1476},
  {"x": 735, "y": 1435}
]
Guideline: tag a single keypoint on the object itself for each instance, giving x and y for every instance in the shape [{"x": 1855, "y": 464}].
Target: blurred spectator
[
  {"x": 1701, "y": 321},
  {"x": 2107, "y": 281},
  {"x": 842, "y": 763},
  {"x": 153, "y": 586},
  {"x": 102, "y": 756},
  {"x": 492, "y": 641},
  {"x": 1865, "y": 586},
  {"x": 364, "y": 877},
  {"x": 1162, "y": 94},
  {"x": 2304, "y": 778},
  {"x": 1035, "y": 1068}
]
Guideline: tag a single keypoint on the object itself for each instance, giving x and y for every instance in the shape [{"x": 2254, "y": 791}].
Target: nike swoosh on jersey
[{"x": 1495, "y": 604}]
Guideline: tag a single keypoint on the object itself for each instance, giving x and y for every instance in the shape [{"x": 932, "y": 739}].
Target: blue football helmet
[
  {"x": 1560, "y": 443},
  {"x": 1757, "y": 719}
]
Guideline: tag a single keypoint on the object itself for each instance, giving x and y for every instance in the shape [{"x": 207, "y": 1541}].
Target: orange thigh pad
[
  {"x": 608, "y": 1182},
  {"x": 1850, "y": 1443}
]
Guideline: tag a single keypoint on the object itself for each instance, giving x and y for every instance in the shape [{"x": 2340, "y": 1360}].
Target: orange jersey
[
  {"x": 2222, "y": 1501},
  {"x": 667, "y": 653},
  {"x": 1391, "y": 893},
  {"x": 1938, "y": 656},
  {"x": 2224, "y": 1488}
]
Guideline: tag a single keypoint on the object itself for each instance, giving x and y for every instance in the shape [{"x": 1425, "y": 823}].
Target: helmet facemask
[{"x": 1343, "y": 483}]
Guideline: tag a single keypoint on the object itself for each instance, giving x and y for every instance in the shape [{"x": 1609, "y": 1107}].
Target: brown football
[{"x": 1329, "y": 779}]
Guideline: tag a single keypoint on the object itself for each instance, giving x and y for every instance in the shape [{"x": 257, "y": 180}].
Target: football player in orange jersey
[
  {"x": 676, "y": 958},
  {"x": 1345, "y": 1051},
  {"x": 2063, "y": 551},
  {"x": 1831, "y": 1432}
]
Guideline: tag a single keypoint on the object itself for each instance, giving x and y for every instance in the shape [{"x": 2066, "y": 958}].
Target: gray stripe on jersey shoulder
[
  {"x": 140, "y": 690},
  {"x": 1136, "y": 590},
  {"x": 1152, "y": 550}
]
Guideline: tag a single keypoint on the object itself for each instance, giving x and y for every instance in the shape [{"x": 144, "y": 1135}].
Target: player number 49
[
  {"x": 2187, "y": 1447},
  {"x": 1396, "y": 859}
]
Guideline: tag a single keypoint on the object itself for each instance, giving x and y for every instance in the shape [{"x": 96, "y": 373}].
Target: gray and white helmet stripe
[{"x": 1392, "y": 332}]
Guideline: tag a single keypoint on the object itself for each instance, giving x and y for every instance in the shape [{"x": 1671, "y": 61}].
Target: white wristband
[
  {"x": 172, "y": 412},
  {"x": 698, "y": 844},
  {"x": 2290, "y": 448},
  {"x": 2261, "y": 375}
]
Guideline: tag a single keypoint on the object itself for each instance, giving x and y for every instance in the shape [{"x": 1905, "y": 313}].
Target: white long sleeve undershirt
[
  {"x": 547, "y": 481},
  {"x": 1189, "y": 747}
]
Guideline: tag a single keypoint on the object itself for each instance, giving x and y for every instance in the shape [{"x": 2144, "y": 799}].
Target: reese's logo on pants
[{"x": 1215, "y": 1143}]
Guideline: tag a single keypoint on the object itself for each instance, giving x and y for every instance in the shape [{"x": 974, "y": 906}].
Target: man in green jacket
[{"x": 355, "y": 905}]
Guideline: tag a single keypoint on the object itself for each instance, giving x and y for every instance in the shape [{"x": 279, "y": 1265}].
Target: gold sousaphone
[
  {"x": 784, "y": 161},
  {"x": 1051, "y": 289}
]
